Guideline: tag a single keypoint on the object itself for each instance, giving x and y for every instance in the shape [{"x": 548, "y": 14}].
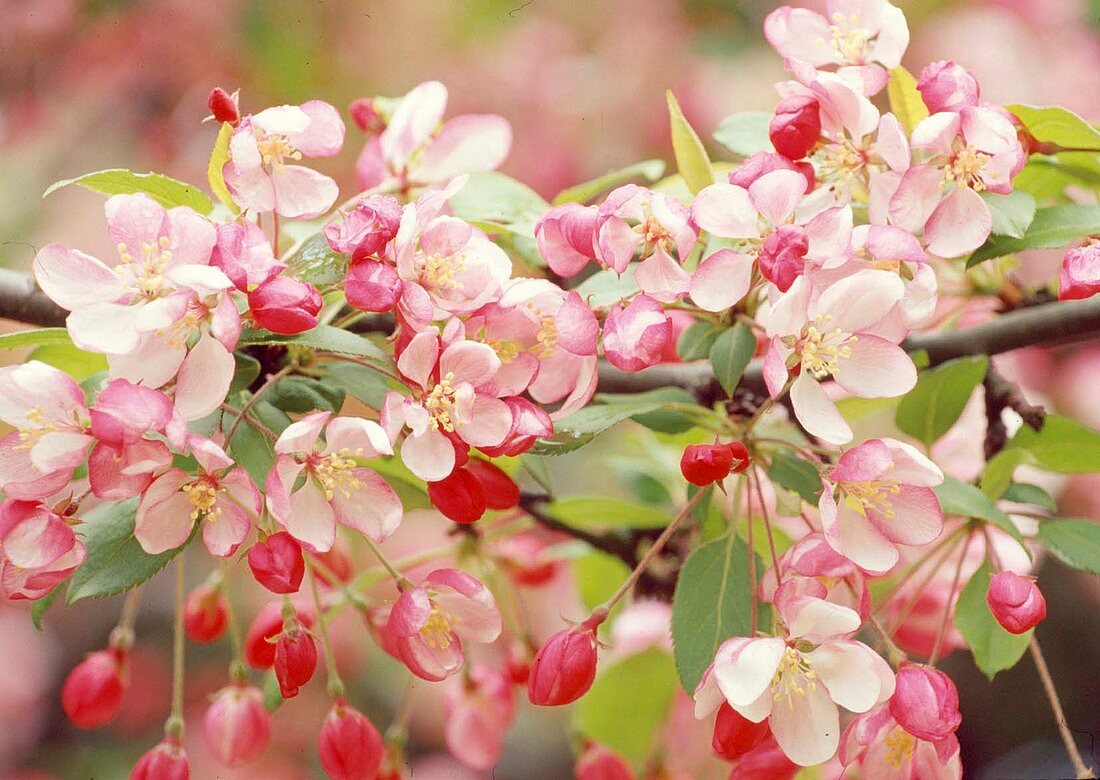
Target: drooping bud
[
  {"x": 501, "y": 491},
  {"x": 350, "y": 746},
  {"x": 277, "y": 564},
  {"x": 167, "y": 760},
  {"x": 259, "y": 649},
  {"x": 925, "y": 702},
  {"x": 741, "y": 457},
  {"x": 704, "y": 464},
  {"x": 372, "y": 286},
  {"x": 237, "y": 726},
  {"x": 564, "y": 238},
  {"x": 366, "y": 116},
  {"x": 1080, "y": 274},
  {"x": 1016, "y": 602},
  {"x": 223, "y": 106},
  {"x": 947, "y": 86},
  {"x": 599, "y": 762},
  {"x": 796, "y": 126},
  {"x": 205, "y": 614},
  {"x": 460, "y": 496},
  {"x": 295, "y": 660},
  {"x": 285, "y": 305},
  {"x": 734, "y": 734},
  {"x": 635, "y": 335},
  {"x": 92, "y": 694},
  {"x": 564, "y": 667},
  {"x": 782, "y": 256},
  {"x": 367, "y": 229}
]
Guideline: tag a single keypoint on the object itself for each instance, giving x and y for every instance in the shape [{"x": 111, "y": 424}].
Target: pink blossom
[
  {"x": 372, "y": 285},
  {"x": 925, "y": 702},
  {"x": 796, "y": 126},
  {"x": 258, "y": 174},
  {"x": 564, "y": 667},
  {"x": 350, "y": 747},
  {"x": 477, "y": 716},
  {"x": 635, "y": 334},
  {"x": 529, "y": 423},
  {"x": 752, "y": 168},
  {"x": 879, "y": 747},
  {"x": 813, "y": 557},
  {"x": 418, "y": 149},
  {"x": 564, "y": 236},
  {"x": 237, "y": 726},
  {"x": 93, "y": 690},
  {"x": 167, "y": 760},
  {"x": 947, "y": 86},
  {"x": 1080, "y": 274},
  {"x": 367, "y": 229},
  {"x": 315, "y": 485},
  {"x": 38, "y": 549},
  {"x": 1016, "y": 602},
  {"x": 245, "y": 255},
  {"x": 429, "y": 623}
]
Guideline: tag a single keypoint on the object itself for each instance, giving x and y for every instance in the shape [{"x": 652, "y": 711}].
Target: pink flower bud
[
  {"x": 224, "y": 106},
  {"x": 703, "y": 464},
  {"x": 529, "y": 423},
  {"x": 245, "y": 255},
  {"x": 373, "y": 286},
  {"x": 295, "y": 661},
  {"x": 92, "y": 694},
  {"x": 796, "y": 126},
  {"x": 564, "y": 667},
  {"x": 1016, "y": 602},
  {"x": 564, "y": 238},
  {"x": 367, "y": 229},
  {"x": 366, "y": 116},
  {"x": 1080, "y": 275},
  {"x": 599, "y": 762},
  {"x": 350, "y": 746},
  {"x": 925, "y": 702},
  {"x": 947, "y": 86},
  {"x": 635, "y": 335},
  {"x": 166, "y": 761},
  {"x": 276, "y": 563},
  {"x": 765, "y": 162},
  {"x": 237, "y": 727},
  {"x": 259, "y": 651},
  {"x": 205, "y": 615},
  {"x": 285, "y": 305},
  {"x": 501, "y": 491},
  {"x": 735, "y": 735},
  {"x": 782, "y": 257},
  {"x": 459, "y": 497}
]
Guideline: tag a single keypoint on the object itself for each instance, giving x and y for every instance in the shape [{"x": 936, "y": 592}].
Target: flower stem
[
  {"x": 335, "y": 684},
  {"x": 235, "y": 636},
  {"x": 122, "y": 637},
  {"x": 174, "y": 726},
  {"x": 1082, "y": 769},
  {"x": 952, "y": 596},
  {"x": 267, "y": 385},
  {"x": 755, "y": 480},
  {"x": 402, "y": 581}
]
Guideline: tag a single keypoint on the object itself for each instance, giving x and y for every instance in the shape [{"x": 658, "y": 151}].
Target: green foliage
[
  {"x": 589, "y": 512},
  {"x": 691, "y": 157},
  {"x": 730, "y": 354},
  {"x": 1075, "y": 543},
  {"x": 219, "y": 156},
  {"x": 745, "y": 133},
  {"x": 1047, "y": 176},
  {"x": 929, "y": 410},
  {"x": 664, "y": 420},
  {"x": 997, "y": 476},
  {"x": 579, "y": 428},
  {"x": 647, "y": 171},
  {"x": 316, "y": 262},
  {"x": 165, "y": 190},
  {"x": 245, "y": 372},
  {"x": 39, "y": 337},
  {"x": 696, "y": 340},
  {"x": 1053, "y": 226},
  {"x": 42, "y": 605},
  {"x": 324, "y": 338},
  {"x": 1012, "y": 213},
  {"x": 906, "y": 102},
  {"x": 75, "y": 362},
  {"x": 598, "y": 575},
  {"x": 1060, "y": 126},
  {"x": 795, "y": 474},
  {"x": 964, "y": 500},
  {"x": 358, "y": 381},
  {"x": 1063, "y": 445},
  {"x": 606, "y": 288},
  {"x": 994, "y": 648},
  {"x": 249, "y": 446},
  {"x": 301, "y": 394},
  {"x": 498, "y": 203},
  {"x": 1023, "y": 493}
]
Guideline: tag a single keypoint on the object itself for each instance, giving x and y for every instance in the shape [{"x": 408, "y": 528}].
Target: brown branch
[
  {"x": 22, "y": 301},
  {"x": 1000, "y": 394}
]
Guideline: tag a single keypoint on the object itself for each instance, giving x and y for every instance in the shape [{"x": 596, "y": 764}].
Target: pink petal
[
  {"x": 465, "y": 144},
  {"x": 850, "y": 671},
  {"x": 917, "y": 517},
  {"x": 817, "y": 413},
  {"x": 204, "y": 379},
  {"x": 776, "y": 194},
  {"x": 302, "y": 193},
  {"x": 490, "y": 421},
  {"x": 74, "y": 279},
  {"x": 959, "y": 225},
  {"x": 357, "y": 437},
  {"x": 917, "y": 195},
  {"x": 807, "y": 728},
  {"x": 163, "y": 520},
  {"x": 430, "y": 456},
  {"x": 726, "y": 210},
  {"x": 417, "y": 361},
  {"x": 876, "y": 369},
  {"x": 413, "y": 122},
  {"x": 301, "y": 436},
  {"x": 372, "y": 508},
  {"x": 662, "y": 278},
  {"x": 856, "y": 538},
  {"x": 744, "y": 668},
  {"x": 469, "y": 361},
  {"x": 721, "y": 280},
  {"x": 324, "y": 135}
]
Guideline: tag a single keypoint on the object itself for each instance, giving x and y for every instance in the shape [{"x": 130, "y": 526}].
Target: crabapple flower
[
  {"x": 205, "y": 614},
  {"x": 350, "y": 747},
  {"x": 277, "y": 563},
  {"x": 814, "y": 558},
  {"x": 418, "y": 149},
  {"x": 237, "y": 726},
  {"x": 703, "y": 464},
  {"x": 599, "y": 762},
  {"x": 373, "y": 286},
  {"x": 245, "y": 255},
  {"x": 222, "y": 497},
  {"x": 564, "y": 236},
  {"x": 947, "y": 86},
  {"x": 285, "y": 305},
  {"x": 879, "y": 746},
  {"x": 459, "y": 496},
  {"x": 92, "y": 693},
  {"x": 429, "y": 623},
  {"x": 1016, "y": 602},
  {"x": 564, "y": 667},
  {"x": 38, "y": 549},
  {"x": 167, "y": 760},
  {"x": 878, "y": 495},
  {"x": 314, "y": 486},
  {"x": 367, "y": 229},
  {"x": 796, "y": 126},
  {"x": 798, "y": 691},
  {"x": 448, "y": 402},
  {"x": 755, "y": 166},
  {"x": 850, "y": 333},
  {"x": 1080, "y": 274},
  {"x": 925, "y": 702},
  {"x": 477, "y": 715},
  {"x": 367, "y": 116},
  {"x": 501, "y": 491},
  {"x": 257, "y": 172},
  {"x": 635, "y": 334},
  {"x": 123, "y": 462}
]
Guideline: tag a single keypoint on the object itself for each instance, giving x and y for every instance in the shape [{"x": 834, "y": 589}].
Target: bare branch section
[{"x": 22, "y": 301}]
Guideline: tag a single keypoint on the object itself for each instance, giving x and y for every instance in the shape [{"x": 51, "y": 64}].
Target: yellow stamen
[
  {"x": 900, "y": 744},
  {"x": 876, "y": 495},
  {"x": 275, "y": 148},
  {"x": 440, "y": 404},
  {"x": 848, "y": 39},
  {"x": 965, "y": 169},
  {"x": 334, "y": 473},
  {"x": 822, "y": 348},
  {"x": 438, "y": 631},
  {"x": 794, "y": 677},
  {"x": 203, "y": 495}
]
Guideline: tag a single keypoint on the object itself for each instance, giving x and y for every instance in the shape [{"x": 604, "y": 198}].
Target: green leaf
[
  {"x": 999, "y": 470},
  {"x": 696, "y": 340},
  {"x": 35, "y": 338},
  {"x": 1054, "y": 226},
  {"x": 929, "y": 410},
  {"x": 795, "y": 474},
  {"x": 606, "y": 512},
  {"x": 74, "y": 361},
  {"x": 579, "y": 428},
  {"x": 360, "y": 382},
  {"x": 251, "y": 448},
  {"x": 712, "y": 603},
  {"x": 1063, "y": 445},
  {"x": 316, "y": 262},
  {"x": 302, "y": 394},
  {"x": 245, "y": 372},
  {"x": 1075, "y": 543},
  {"x": 40, "y": 607},
  {"x": 1047, "y": 177},
  {"x": 905, "y": 100},
  {"x": 628, "y": 703},
  {"x": 324, "y": 338},
  {"x": 1054, "y": 125},
  {"x": 1023, "y": 493},
  {"x": 994, "y": 648},
  {"x": 691, "y": 158},
  {"x": 648, "y": 171},
  {"x": 730, "y": 354},
  {"x": 662, "y": 420},
  {"x": 1012, "y": 213},
  {"x": 598, "y": 575},
  {"x": 745, "y": 133},
  {"x": 165, "y": 190},
  {"x": 499, "y": 202},
  {"x": 115, "y": 562},
  {"x": 219, "y": 156},
  {"x": 964, "y": 500},
  {"x": 606, "y": 288}
]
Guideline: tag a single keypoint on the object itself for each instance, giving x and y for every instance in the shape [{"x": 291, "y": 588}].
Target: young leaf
[
  {"x": 301, "y": 394},
  {"x": 75, "y": 362},
  {"x": 691, "y": 157},
  {"x": 648, "y": 171},
  {"x": 577, "y": 429},
  {"x": 745, "y": 133},
  {"x": 964, "y": 500},
  {"x": 929, "y": 410},
  {"x": 324, "y": 338},
  {"x": 42, "y": 605},
  {"x": 1074, "y": 542},
  {"x": 1063, "y": 445},
  {"x": 730, "y": 354},
  {"x": 165, "y": 190},
  {"x": 1053, "y": 125},
  {"x": 999, "y": 470},
  {"x": 358, "y": 381},
  {"x": 251, "y": 448},
  {"x": 1054, "y": 226},
  {"x": 219, "y": 156},
  {"x": 1023, "y": 493},
  {"x": 606, "y": 512},
  {"x": 35, "y": 338},
  {"x": 246, "y": 370},
  {"x": 499, "y": 202},
  {"x": 994, "y": 648},
  {"x": 795, "y": 474},
  {"x": 1012, "y": 213},
  {"x": 696, "y": 340},
  {"x": 906, "y": 102},
  {"x": 314, "y": 261}
]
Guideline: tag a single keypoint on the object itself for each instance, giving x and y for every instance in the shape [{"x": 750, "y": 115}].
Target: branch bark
[{"x": 22, "y": 301}]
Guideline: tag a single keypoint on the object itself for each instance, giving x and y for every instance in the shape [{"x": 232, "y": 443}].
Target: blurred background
[{"x": 115, "y": 83}]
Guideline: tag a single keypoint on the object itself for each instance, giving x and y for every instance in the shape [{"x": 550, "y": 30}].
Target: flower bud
[
  {"x": 796, "y": 126},
  {"x": 372, "y": 286},
  {"x": 564, "y": 238},
  {"x": 522, "y": 557},
  {"x": 702, "y": 464},
  {"x": 947, "y": 86},
  {"x": 460, "y": 497},
  {"x": 635, "y": 335},
  {"x": 224, "y": 106},
  {"x": 564, "y": 667},
  {"x": 366, "y": 116},
  {"x": 782, "y": 258},
  {"x": 741, "y": 458},
  {"x": 285, "y": 305},
  {"x": 367, "y": 229},
  {"x": 166, "y": 761},
  {"x": 92, "y": 694},
  {"x": 276, "y": 563},
  {"x": 765, "y": 162},
  {"x": 529, "y": 423},
  {"x": 295, "y": 660},
  {"x": 350, "y": 746},
  {"x": 205, "y": 614},
  {"x": 237, "y": 727},
  {"x": 925, "y": 702},
  {"x": 501, "y": 492},
  {"x": 259, "y": 650},
  {"x": 1080, "y": 275},
  {"x": 734, "y": 734},
  {"x": 1016, "y": 602},
  {"x": 599, "y": 762}
]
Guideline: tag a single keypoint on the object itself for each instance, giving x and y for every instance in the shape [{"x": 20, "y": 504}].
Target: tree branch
[{"x": 22, "y": 301}]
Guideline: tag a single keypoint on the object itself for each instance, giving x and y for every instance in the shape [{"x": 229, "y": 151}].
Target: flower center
[
  {"x": 794, "y": 677},
  {"x": 900, "y": 746},
  {"x": 148, "y": 269},
  {"x": 38, "y": 426},
  {"x": 203, "y": 495},
  {"x": 334, "y": 472},
  {"x": 438, "y": 630},
  {"x": 274, "y": 148},
  {"x": 841, "y": 160},
  {"x": 440, "y": 403},
  {"x": 822, "y": 348},
  {"x": 848, "y": 39},
  {"x": 876, "y": 495},
  {"x": 547, "y": 337},
  {"x": 441, "y": 272},
  {"x": 965, "y": 169}
]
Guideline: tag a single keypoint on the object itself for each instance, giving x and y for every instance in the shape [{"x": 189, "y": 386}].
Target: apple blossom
[
  {"x": 947, "y": 86},
  {"x": 704, "y": 464},
  {"x": 1016, "y": 602},
  {"x": 277, "y": 563},
  {"x": 1080, "y": 274},
  {"x": 92, "y": 693},
  {"x": 635, "y": 334},
  {"x": 350, "y": 747},
  {"x": 525, "y": 559},
  {"x": 236, "y": 726},
  {"x": 223, "y": 106},
  {"x": 796, "y": 126},
  {"x": 367, "y": 229},
  {"x": 245, "y": 255},
  {"x": 38, "y": 549},
  {"x": 564, "y": 667},
  {"x": 925, "y": 702},
  {"x": 260, "y": 641},
  {"x": 876, "y": 744},
  {"x": 735, "y": 735},
  {"x": 373, "y": 286},
  {"x": 460, "y": 496},
  {"x": 529, "y": 423},
  {"x": 760, "y": 163},
  {"x": 295, "y": 657},
  {"x": 564, "y": 236},
  {"x": 366, "y": 116},
  {"x": 813, "y": 557},
  {"x": 478, "y": 714},
  {"x": 501, "y": 491}
]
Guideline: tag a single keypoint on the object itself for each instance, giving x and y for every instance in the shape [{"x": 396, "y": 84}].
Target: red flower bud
[
  {"x": 599, "y": 762},
  {"x": 276, "y": 563},
  {"x": 92, "y": 694},
  {"x": 295, "y": 661},
  {"x": 501, "y": 492},
  {"x": 741, "y": 459},
  {"x": 259, "y": 652},
  {"x": 460, "y": 497},
  {"x": 702, "y": 464},
  {"x": 782, "y": 257},
  {"x": 925, "y": 702},
  {"x": 564, "y": 667},
  {"x": 166, "y": 761},
  {"x": 350, "y": 746},
  {"x": 1016, "y": 602},
  {"x": 796, "y": 126},
  {"x": 205, "y": 615},
  {"x": 529, "y": 422},
  {"x": 237, "y": 726},
  {"x": 285, "y": 305},
  {"x": 224, "y": 106},
  {"x": 372, "y": 285},
  {"x": 735, "y": 735},
  {"x": 366, "y": 116}
]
